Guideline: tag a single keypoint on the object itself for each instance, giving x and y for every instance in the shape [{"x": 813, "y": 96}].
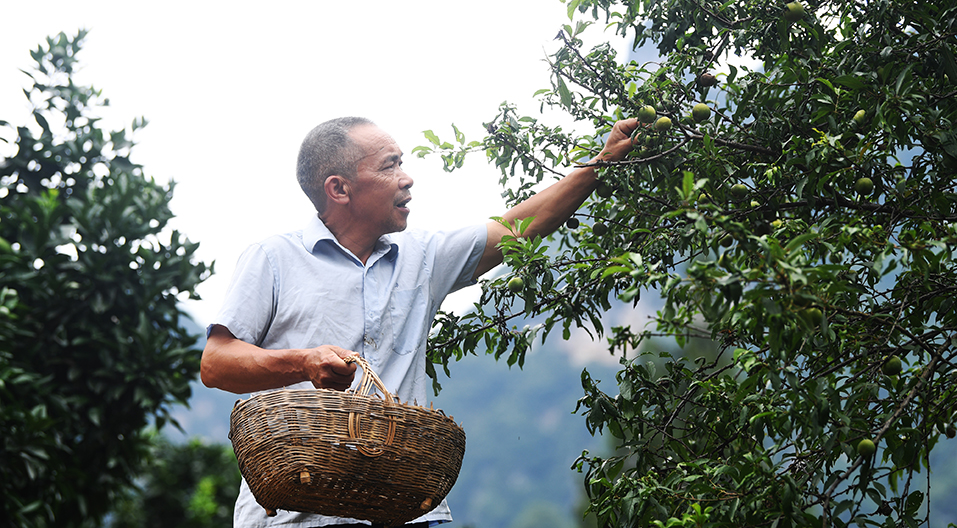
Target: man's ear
[{"x": 337, "y": 190}]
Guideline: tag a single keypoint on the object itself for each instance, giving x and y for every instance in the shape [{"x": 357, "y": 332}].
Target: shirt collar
[{"x": 316, "y": 232}]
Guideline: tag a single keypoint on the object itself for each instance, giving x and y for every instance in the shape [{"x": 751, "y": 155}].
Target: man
[{"x": 353, "y": 281}]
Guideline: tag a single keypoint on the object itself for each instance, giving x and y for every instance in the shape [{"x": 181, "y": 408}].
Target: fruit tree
[{"x": 751, "y": 230}]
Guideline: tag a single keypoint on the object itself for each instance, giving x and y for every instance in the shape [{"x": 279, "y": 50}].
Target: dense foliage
[
  {"x": 92, "y": 343},
  {"x": 188, "y": 485},
  {"x": 803, "y": 220}
]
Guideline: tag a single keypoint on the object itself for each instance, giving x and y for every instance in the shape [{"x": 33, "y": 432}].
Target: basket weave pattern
[{"x": 346, "y": 454}]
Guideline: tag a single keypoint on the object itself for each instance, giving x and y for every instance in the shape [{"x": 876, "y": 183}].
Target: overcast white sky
[{"x": 230, "y": 89}]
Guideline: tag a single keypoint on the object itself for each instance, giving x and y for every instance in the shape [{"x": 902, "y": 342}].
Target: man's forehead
[{"x": 374, "y": 141}]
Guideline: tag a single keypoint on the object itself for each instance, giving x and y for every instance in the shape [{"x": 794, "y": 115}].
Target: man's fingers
[
  {"x": 345, "y": 354},
  {"x": 339, "y": 379},
  {"x": 628, "y": 126},
  {"x": 330, "y": 384},
  {"x": 343, "y": 368},
  {"x": 329, "y": 368}
]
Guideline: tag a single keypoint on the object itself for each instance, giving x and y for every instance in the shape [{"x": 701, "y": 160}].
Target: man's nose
[{"x": 405, "y": 181}]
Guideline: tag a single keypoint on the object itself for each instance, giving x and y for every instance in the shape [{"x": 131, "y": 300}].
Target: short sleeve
[
  {"x": 250, "y": 303},
  {"x": 458, "y": 254}
]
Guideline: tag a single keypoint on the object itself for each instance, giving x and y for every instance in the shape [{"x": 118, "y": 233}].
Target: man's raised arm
[{"x": 555, "y": 204}]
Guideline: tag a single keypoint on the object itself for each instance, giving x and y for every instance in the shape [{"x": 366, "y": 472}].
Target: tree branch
[
  {"x": 738, "y": 146},
  {"x": 928, "y": 372}
]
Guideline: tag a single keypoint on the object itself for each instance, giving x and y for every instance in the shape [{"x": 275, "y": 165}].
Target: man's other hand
[{"x": 327, "y": 369}]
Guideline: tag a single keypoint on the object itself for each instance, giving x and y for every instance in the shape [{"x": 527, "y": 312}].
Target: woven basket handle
[{"x": 368, "y": 381}]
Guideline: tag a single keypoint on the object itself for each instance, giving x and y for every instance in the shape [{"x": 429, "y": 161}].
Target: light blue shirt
[{"x": 304, "y": 289}]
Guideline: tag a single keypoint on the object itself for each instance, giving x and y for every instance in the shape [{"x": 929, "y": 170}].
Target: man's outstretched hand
[{"x": 619, "y": 142}]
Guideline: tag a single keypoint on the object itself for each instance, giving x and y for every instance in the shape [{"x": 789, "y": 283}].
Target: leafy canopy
[
  {"x": 804, "y": 232},
  {"x": 92, "y": 343}
]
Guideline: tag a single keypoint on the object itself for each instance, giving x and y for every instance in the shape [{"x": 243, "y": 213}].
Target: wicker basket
[{"x": 346, "y": 454}]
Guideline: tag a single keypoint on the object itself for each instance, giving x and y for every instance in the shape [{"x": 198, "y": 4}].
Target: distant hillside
[{"x": 522, "y": 437}]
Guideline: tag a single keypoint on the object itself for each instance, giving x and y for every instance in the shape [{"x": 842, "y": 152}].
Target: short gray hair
[{"x": 328, "y": 149}]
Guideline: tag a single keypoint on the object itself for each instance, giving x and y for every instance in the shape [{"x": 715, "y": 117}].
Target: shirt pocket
[{"x": 410, "y": 319}]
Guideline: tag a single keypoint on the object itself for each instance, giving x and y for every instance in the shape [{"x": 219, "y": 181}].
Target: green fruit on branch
[
  {"x": 604, "y": 190},
  {"x": 647, "y": 114},
  {"x": 739, "y": 191},
  {"x": 864, "y": 186},
  {"x": 866, "y": 448},
  {"x": 892, "y": 366},
  {"x": 859, "y": 117},
  {"x": 950, "y": 430},
  {"x": 516, "y": 284},
  {"x": 663, "y": 124},
  {"x": 599, "y": 229},
  {"x": 793, "y": 11},
  {"x": 701, "y": 112},
  {"x": 572, "y": 223},
  {"x": 812, "y": 316},
  {"x": 727, "y": 241}
]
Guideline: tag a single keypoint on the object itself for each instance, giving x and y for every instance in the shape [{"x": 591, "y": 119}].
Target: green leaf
[
  {"x": 611, "y": 270},
  {"x": 564, "y": 94},
  {"x": 432, "y": 137},
  {"x": 799, "y": 241},
  {"x": 850, "y": 81},
  {"x": 914, "y": 502},
  {"x": 687, "y": 185},
  {"x": 459, "y": 136},
  {"x": 42, "y": 121}
]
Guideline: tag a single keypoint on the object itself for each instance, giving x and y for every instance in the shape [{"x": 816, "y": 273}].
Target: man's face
[{"x": 381, "y": 188}]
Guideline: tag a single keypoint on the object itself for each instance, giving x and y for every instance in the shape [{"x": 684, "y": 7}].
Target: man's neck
[{"x": 361, "y": 245}]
